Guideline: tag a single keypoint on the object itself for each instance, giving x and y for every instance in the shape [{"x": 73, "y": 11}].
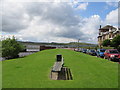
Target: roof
[{"x": 107, "y": 27}]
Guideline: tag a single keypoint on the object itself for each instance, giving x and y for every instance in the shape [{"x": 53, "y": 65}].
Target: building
[
  {"x": 107, "y": 32},
  {"x": 32, "y": 48},
  {"x": 46, "y": 47}
]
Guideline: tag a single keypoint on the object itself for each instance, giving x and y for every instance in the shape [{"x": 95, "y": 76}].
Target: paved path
[
  {"x": 1, "y": 59},
  {"x": 22, "y": 54}
]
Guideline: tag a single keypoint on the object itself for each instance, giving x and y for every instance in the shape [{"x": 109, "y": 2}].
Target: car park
[
  {"x": 112, "y": 54},
  {"x": 100, "y": 52}
]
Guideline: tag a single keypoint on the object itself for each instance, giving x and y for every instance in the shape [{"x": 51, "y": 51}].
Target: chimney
[{"x": 100, "y": 26}]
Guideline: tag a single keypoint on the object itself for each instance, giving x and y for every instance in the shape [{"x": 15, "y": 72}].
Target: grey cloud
[
  {"x": 12, "y": 24},
  {"x": 61, "y": 15},
  {"x": 70, "y": 32},
  {"x": 12, "y": 18}
]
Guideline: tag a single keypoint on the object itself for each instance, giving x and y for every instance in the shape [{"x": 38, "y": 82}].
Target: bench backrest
[{"x": 59, "y": 57}]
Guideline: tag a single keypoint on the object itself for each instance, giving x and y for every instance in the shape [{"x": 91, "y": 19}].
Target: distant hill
[{"x": 53, "y": 43}]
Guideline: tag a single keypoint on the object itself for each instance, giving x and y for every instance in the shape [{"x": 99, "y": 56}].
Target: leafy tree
[
  {"x": 11, "y": 48},
  {"x": 106, "y": 42},
  {"x": 116, "y": 42}
]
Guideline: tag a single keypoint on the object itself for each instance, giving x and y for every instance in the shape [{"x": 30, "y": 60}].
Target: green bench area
[{"x": 33, "y": 71}]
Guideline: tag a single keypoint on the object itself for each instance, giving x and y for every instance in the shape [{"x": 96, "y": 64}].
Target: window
[{"x": 114, "y": 51}]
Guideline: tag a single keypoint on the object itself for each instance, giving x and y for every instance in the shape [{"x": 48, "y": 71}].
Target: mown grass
[{"x": 33, "y": 71}]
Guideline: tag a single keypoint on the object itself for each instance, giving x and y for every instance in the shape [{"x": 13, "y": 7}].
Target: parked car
[
  {"x": 84, "y": 50},
  {"x": 76, "y": 49},
  {"x": 87, "y": 51},
  {"x": 112, "y": 54},
  {"x": 100, "y": 52},
  {"x": 92, "y": 52},
  {"x": 80, "y": 49}
]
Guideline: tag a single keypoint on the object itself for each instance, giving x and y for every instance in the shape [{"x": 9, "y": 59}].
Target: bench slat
[{"x": 57, "y": 66}]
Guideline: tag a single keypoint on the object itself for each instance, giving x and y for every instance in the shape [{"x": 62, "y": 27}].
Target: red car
[{"x": 112, "y": 54}]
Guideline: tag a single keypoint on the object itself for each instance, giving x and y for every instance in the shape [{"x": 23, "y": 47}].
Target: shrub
[
  {"x": 11, "y": 48},
  {"x": 116, "y": 41}
]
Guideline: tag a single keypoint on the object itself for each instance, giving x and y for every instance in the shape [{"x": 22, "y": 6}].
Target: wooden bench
[
  {"x": 57, "y": 66},
  {"x": 58, "y": 71}
]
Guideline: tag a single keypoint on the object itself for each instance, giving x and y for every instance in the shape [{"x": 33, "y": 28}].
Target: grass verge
[{"x": 33, "y": 71}]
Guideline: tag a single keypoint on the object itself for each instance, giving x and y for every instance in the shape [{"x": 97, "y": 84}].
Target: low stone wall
[{"x": 64, "y": 74}]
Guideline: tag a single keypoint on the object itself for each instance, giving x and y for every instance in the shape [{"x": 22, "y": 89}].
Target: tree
[
  {"x": 11, "y": 48},
  {"x": 106, "y": 42},
  {"x": 116, "y": 41}
]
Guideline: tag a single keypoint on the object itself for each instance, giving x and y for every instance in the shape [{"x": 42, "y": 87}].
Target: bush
[
  {"x": 116, "y": 41},
  {"x": 106, "y": 42},
  {"x": 11, "y": 48}
]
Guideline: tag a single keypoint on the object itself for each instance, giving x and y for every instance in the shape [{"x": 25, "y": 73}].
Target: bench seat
[{"x": 57, "y": 66}]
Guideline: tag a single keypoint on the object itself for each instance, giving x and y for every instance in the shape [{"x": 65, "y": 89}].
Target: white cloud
[
  {"x": 53, "y": 22},
  {"x": 90, "y": 28},
  {"x": 87, "y": 31},
  {"x": 112, "y": 17},
  {"x": 13, "y": 17},
  {"x": 82, "y": 6},
  {"x": 113, "y": 4}
]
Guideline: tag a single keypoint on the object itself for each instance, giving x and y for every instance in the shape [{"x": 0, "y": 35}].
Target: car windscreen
[
  {"x": 114, "y": 51},
  {"x": 102, "y": 50}
]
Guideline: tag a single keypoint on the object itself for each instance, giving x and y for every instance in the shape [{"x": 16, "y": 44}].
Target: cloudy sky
[{"x": 57, "y": 21}]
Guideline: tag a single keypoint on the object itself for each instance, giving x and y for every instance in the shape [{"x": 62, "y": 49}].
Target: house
[{"x": 107, "y": 32}]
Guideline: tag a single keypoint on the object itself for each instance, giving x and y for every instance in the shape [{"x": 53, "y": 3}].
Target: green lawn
[{"x": 33, "y": 71}]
